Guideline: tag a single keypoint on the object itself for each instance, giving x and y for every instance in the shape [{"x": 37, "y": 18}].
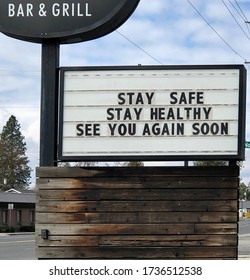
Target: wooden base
[{"x": 137, "y": 213}]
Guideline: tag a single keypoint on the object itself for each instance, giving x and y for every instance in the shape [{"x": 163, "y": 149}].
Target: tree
[
  {"x": 14, "y": 169},
  {"x": 135, "y": 164},
  {"x": 210, "y": 163},
  {"x": 130, "y": 163},
  {"x": 215, "y": 163},
  {"x": 77, "y": 164},
  {"x": 248, "y": 192},
  {"x": 242, "y": 191}
]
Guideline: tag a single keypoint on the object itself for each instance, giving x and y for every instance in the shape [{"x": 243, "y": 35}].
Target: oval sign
[{"x": 66, "y": 21}]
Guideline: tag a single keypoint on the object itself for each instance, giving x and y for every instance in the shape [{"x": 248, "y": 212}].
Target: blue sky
[{"x": 164, "y": 32}]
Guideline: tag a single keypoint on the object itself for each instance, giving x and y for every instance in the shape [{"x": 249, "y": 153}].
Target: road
[
  {"x": 244, "y": 226},
  {"x": 244, "y": 238},
  {"x": 17, "y": 247},
  {"x": 22, "y": 247}
]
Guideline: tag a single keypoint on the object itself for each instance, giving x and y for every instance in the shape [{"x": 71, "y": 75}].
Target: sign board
[
  {"x": 152, "y": 113},
  {"x": 67, "y": 21},
  {"x": 247, "y": 145}
]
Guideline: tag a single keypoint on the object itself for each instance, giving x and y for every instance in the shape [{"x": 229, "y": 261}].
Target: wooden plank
[
  {"x": 137, "y": 217},
  {"x": 77, "y": 172},
  {"x": 213, "y": 228},
  {"x": 169, "y": 240},
  {"x": 138, "y": 182},
  {"x": 140, "y": 206},
  {"x": 104, "y": 229},
  {"x": 139, "y": 240},
  {"x": 138, "y": 194},
  {"x": 68, "y": 241},
  {"x": 137, "y": 253}
]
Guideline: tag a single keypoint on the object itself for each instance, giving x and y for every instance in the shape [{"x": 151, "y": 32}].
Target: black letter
[
  {"x": 224, "y": 129},
  {"x": 79, "y": 128},
  {"x": 88, "y": 129},
  {"x": 96, "y": 129},
  {"x": 196, "y": 129},
  {"x": 110, "y": 114},
  {"x": 121, "y": 97},
  {"x": 172, "y": 95},
  {"x": 146, "y": 130},
  {"x": 200, "y": 97},
  {"x": 112, "y": 129}
]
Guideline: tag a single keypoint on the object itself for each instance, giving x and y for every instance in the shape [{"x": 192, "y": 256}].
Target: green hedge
[{"x": 6, "y": 229}]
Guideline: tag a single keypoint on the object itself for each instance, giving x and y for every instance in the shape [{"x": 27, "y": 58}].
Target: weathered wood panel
[
  {"x": 79, "y": 252},
  {"x": 163, "y": 182},
  {"x": 141, "y": 240},
  {"x": 101, "y": 172},
  {"x": 144, "y": 213},
  {"x": 136, "y": 206},
  {"x": 138, "y": 194},
  {"x": 137, "y": 217}
]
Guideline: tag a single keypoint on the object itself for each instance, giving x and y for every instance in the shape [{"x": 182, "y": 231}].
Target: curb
[
  {"x": 16, "y": 233},
  {"x": 244, "y": 257}
]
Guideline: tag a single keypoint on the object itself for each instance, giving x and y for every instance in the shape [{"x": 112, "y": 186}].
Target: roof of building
[
  {"x": 17, "y": 190},
  {"x": 17, "y": 197}
]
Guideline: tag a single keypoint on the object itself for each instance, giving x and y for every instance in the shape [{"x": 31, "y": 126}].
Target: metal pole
[
  {"x": 49, "y": 103},
  {"x": 10, "y": 220}
]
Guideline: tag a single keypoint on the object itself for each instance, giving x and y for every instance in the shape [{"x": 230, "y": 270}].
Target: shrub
[{"x": 27, "y": 228}]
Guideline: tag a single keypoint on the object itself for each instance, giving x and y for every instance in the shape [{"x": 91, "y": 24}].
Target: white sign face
[{"x": 149, "y": 114}]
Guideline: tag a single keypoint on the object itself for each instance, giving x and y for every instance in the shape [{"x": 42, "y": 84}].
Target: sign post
[
  {"x": 10, "y": 208},
  {"x": 49, "y": 104},
  {"x": 247, "y": 144}
]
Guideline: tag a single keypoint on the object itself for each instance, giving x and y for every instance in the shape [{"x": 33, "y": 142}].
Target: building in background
[{"x": 17, "y": 210}]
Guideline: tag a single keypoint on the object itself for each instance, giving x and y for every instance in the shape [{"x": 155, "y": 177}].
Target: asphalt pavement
[
  {"x": 244, "y": 239},
  {"x": 17, "y": 246}
]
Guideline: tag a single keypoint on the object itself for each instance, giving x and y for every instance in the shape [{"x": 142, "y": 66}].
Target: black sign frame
[{"x": 241, "y": 117}]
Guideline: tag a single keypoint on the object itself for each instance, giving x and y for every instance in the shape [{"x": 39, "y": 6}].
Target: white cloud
[
  {"x": 32, "y": 132},
  {"x": 152, "y": 8}
]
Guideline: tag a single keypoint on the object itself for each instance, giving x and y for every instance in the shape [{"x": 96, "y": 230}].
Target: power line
[
  {"x": 240, "y": 14},
  {"x": 240, "y": 10},
  {"x": 216, "y": 31},
  {"x": 19, "y": 107},
  {"x": 140, "y": 48},
  {"x": 15, "y": 72},
  {"x": 20, "y": 70},
  {"x": 235, "y": 19},
  {"x": 244, "y": 16}
]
